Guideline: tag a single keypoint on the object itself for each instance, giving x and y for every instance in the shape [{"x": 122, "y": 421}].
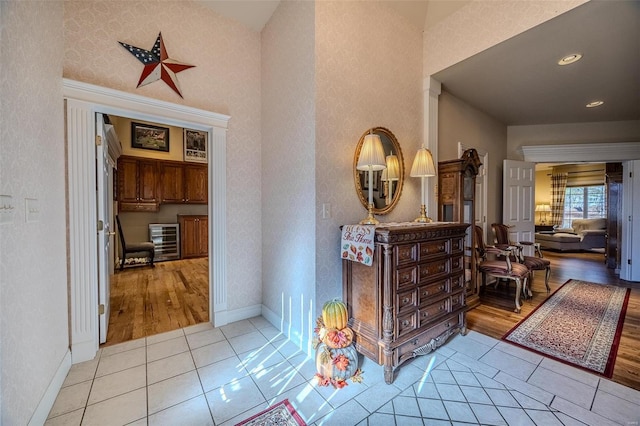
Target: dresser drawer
[
  {"x": 457, "y": 245},
  {"x": 430, "y": 249},
  {"x": 457, "y": 301},
  {"x": 457, "y": 263},
  {"x": 406, "y": 323},
  {"x": 405, "y": 254},
  {"x": 406, "y": 278},
  {"x": 431, "y": 271},
  {"x": 434, "y": 311},
  {"x": 405, "y": 350},
  {"x": 457, "y": 283},
  {"x": 407, "y": 300},
  {"x": 427, "y": 293}
]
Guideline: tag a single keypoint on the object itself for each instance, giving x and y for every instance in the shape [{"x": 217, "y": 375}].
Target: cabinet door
[
  {"x": 172, "y": 182},
  {"x": 128, "y": 180},
  {"x": 189, "y": 235},
  {"x": 147, "y": 181},
  {"x": 195, "y": 184},
  {"x": 203, "y": 239}
]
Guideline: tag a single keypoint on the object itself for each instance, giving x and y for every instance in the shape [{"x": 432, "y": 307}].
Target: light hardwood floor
[{"x": 147, "y": 301}]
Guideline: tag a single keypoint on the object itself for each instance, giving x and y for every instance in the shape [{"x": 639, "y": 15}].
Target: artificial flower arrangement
[{"x": 336, "y": 356}]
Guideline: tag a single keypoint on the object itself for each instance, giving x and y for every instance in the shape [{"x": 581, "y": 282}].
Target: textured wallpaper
[
  {"x": 368, "y": 74},
  {"x": 226, "y": 80},
  {"x": 483, "y": 24},
  {"x": 288, "y": 166},
  {"x": 33, "y": 289}
]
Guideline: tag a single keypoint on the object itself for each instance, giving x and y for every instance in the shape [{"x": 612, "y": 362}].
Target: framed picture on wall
[
  {"x": 146, "y": 136},
  {"x": 195, "y": 146}
]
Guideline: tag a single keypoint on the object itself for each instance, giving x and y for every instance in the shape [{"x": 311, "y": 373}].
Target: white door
[
  {"x": 518, "y": 200},
  {"x": 104, "y": 207}
]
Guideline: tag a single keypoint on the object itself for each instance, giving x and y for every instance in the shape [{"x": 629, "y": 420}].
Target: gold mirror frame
[{"x": 390, "y": 143}]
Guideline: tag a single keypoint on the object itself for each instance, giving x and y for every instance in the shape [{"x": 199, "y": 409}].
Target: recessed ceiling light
[
  {"x": 594, "y": 104},
  {"x": 569, "y": 59}
]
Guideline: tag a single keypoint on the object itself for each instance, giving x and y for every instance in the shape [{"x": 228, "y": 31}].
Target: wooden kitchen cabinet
[
  {"x": 412, "y": 299},
  {"x": 196, "y": 184},
  {"x": 194, "y": 235},
  {"x": 183, "y": 183},
  {"x": 137, "y": 189}
]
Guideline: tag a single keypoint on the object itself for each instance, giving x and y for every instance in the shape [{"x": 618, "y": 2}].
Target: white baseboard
[
  {"x": 50, "y": 395},
  {"x": 226, "y": 317}
]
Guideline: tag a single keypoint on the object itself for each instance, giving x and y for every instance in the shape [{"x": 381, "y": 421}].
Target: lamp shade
[
  {"x": 543, "y": 208},
  {"x": 423, "y": 164},
  {"x": 393, "y": 167},
  {"x": 371, "y": 154}
]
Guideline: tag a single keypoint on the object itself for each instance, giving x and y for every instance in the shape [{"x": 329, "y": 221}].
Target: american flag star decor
[{"x": 157, "y": 64}]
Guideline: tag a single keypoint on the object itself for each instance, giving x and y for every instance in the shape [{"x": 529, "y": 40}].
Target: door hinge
[
  {"x": 98, "y": 140},
  {"x": 101, "y": 309},
  {"x": 100, "y": 225}
]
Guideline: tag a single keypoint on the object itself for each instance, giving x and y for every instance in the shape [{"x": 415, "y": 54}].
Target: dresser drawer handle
[
  {"x": 425, "y": 314},
  {"x": 405, "y": 323},
  {"x": 415, "y": 342},
  {"x": 425, "y": 293},
  {"x": 441, "y": 307},
  {"x": 441, "y": 288},
  {"x": 448, "y": 324},
  {"x": 406, "y": 300}
]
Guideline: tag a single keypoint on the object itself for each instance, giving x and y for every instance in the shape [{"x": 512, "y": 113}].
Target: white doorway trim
[{"x": 82, "y": 102}]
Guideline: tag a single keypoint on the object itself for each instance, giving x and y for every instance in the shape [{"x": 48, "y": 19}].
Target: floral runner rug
[
  {"x": 580, "y": 324},
  {"x": 281, "y": 413}
]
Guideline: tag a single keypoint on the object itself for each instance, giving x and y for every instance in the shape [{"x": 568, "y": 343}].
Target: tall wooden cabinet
[
  {"x": 456, "y": 203},
  {"x": 194, "y": 235},
  {"x": 411, "y": 300},
  {"x": 614, "y": 215}
]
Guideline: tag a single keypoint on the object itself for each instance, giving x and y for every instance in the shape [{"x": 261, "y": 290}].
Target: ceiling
[{"x": 518, "y": 81}]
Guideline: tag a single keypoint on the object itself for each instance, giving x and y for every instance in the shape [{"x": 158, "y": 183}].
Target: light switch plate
[
  {"x": 6, "y": 209},
  {"x": 32, "y": 210}
]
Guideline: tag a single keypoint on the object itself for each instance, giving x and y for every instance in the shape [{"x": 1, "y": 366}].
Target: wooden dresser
[{"x": 411, "y": 300}]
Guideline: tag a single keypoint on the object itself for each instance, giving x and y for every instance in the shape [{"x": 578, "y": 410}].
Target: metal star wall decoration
[{"x": 157, "y": 64}]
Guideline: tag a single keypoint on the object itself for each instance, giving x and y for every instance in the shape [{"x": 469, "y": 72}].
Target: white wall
[
  {"x": 33, "y": 294},
  {"x": 368, "y": 74},
  {"x": 289, "y": 170},
  {"x": 226, "y": 79}
]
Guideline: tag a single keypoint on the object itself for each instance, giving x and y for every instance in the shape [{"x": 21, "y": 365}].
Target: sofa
[{"x": 584, "y": 235}]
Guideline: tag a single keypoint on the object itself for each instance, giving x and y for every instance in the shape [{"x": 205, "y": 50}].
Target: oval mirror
[{"x": 386, "y": 184}]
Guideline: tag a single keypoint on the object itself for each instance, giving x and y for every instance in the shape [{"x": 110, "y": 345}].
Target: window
[{"x": 583, "y": 202}]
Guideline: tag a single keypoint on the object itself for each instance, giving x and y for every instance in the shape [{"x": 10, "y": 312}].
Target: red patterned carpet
[
  {"x": 580, "y": 324},
  {"x": 281, "y": 413}
]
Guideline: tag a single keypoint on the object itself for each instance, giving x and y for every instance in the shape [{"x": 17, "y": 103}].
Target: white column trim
[
  {"x": 82, "y": 102},
  {"x": 82, "y": 229},
  {"x": 431, "y": 92},
  {"x": 600, "y": 152}
]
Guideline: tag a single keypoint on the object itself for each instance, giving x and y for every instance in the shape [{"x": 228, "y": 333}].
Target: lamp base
[
  {"x": 423, "y": 218},
  {"x": 370, "y": 219}
]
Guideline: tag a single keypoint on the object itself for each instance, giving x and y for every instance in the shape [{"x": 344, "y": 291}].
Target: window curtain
[{"x": 558, "y": 186}]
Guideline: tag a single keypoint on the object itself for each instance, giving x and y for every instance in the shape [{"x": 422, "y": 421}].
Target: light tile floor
[{"x": 202, "y": 375}]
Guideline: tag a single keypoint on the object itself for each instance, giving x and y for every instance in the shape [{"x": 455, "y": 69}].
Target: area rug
[
  {"x": 281, "y": 414},
  {"x": 579, "y": 324}
]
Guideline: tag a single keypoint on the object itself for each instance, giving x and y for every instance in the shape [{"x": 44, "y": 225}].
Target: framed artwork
[
  {"x": 146, "y": 136},
  {"x": 195, "y": 146}
]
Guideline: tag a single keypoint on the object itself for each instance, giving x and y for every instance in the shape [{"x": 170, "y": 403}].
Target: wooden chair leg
[
  {"x": 546, "y": 278},
  {"x": 518, "y": 290}
]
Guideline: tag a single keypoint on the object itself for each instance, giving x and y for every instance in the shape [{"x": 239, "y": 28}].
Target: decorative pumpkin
[
  {"x": 334, "y": 314},
  {"x": 335, "y": 338},
  {"x": 336, "y": 364}
]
